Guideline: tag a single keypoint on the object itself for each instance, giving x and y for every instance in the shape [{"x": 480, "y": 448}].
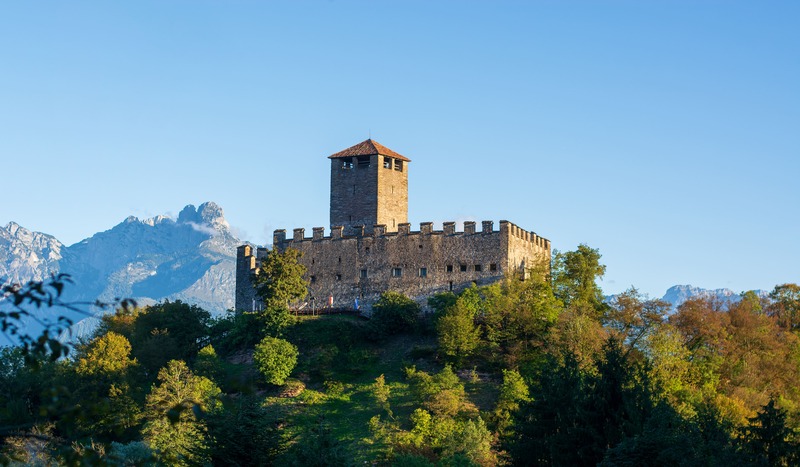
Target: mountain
[
  {"x": 677, "y": 295},
  {"x": 191, "y": 258},
  {"x": 26, "y": 255}
]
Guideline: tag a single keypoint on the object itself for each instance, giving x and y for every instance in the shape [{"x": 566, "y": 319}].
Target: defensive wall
[{"x": 356, "y": 265}]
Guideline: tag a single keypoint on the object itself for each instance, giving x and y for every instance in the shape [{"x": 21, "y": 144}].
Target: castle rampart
[{"x": 346, "y": 267}]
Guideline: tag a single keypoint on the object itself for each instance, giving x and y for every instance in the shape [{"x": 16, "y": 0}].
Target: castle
[{"x": 371, "y": 247}]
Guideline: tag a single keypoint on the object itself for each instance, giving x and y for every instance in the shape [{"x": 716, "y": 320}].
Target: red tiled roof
[{"x": 368, "y": 148}]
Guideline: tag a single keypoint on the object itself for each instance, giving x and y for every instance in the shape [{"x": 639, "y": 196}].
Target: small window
[
  {"x": 398, "y": 165},
  {"x": 451, "y": 286},
  {"x": 423, "y": 272},
  {"x": 477, "y": 268},
  {"x": 463, "y": 268},
  {"x": 397, "y": 272},
  {"x": 347, "y": 163},
  {"x": 366, "y": 249},
  {"x": 312, "y": 260},
  {"x": 420, "y": 247},
  {"x": 387, "y": 162},
  {"x": 493, "y": 267},
  {"x": 340, "y": 259},
  {"x": 338, "y": 277},
  {"x": 313, "y": 279},
  {"x": 363, "y": 273},
  {"x": 449, "y": 268}
]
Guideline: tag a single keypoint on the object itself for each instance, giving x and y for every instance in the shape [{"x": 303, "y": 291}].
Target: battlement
[{"x": 425, "y": 228}]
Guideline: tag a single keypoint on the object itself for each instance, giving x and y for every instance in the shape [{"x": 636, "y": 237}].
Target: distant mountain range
[
  {"x": 191, "y": 258},
  {"x": 677, "y": 295}
]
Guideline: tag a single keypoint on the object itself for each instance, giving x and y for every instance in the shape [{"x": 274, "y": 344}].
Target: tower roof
[{"x": 368, "y": 148}]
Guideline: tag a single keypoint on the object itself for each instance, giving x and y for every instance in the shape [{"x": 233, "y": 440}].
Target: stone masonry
[{"x": 371, "y": 248}]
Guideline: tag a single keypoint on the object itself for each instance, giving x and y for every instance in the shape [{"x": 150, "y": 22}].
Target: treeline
[{"x": 535, "y": 372}]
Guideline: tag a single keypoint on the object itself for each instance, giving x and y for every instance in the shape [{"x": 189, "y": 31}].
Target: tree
[
  {"x": 279, "y": 279},
  {"x": 574, "y": 277},
  {"x": 769, "y": 440},
  {"x": 173, "y": 428},
  {"x": 786, "y": 305},
  {"x": 275, "y": 358},
  {"x": 394, "y": 313},
  {"x": 457, "y": 332}
]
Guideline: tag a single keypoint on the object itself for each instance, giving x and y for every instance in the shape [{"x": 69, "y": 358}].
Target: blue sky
[{"x": 663, "y": 133}]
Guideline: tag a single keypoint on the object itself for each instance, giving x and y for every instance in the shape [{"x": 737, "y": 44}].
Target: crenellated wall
[{"x": 349, "y": 264}]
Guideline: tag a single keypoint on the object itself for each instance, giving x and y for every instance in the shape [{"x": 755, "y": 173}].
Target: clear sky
[{"x": 664, "y": 133}]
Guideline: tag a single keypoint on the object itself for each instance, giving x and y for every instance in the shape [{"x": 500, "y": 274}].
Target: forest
[{"x": 544, "y": 371}]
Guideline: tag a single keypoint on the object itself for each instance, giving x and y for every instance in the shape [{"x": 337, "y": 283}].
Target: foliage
[
  {"x": 243, "y": 433},
  {"x": 768, "y": 440},
  {"x": 785, "y": 305},
  {"x": 275, "y": 358},
  {"x": 394, "y": 313},
  {"x": 174, "y": 429},
  {"x": 574, "y": 277},
  {"x": 279, "y": 282}
]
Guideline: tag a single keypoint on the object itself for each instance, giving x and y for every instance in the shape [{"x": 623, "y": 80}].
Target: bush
[
  {"x": 394, "y": 313},
  {"x": 275, "y": 358}
]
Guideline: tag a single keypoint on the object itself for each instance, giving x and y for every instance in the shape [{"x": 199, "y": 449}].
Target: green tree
[
  {"x": 279, "y": 282},
  {"x": 574, "y": 277},
  {"x": 275, "y": 358},
  {"x": 173, "y": 428},
  {"x": 769, "y": 440},
  {"x": 457, "y": 332},
  {"x": 394, "y": 313}
]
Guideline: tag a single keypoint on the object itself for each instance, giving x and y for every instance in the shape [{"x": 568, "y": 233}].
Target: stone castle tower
[
  {"x": 371, "y": 248},
  {"x": 369, "y": 186}
]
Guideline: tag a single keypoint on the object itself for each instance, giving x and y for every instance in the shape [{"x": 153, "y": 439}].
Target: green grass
[{"x": 338, "y": 364}]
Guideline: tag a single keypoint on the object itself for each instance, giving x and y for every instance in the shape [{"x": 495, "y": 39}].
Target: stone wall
[{"x": 356, "y": 265}]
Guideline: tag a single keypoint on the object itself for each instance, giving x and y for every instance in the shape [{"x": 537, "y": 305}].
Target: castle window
[
  {"x": 313, "y": 279},
  {"x": 420, "y": 247},
  {"x": 347, "y": 163},
  {"x": 449, "y": 268},
  {"x": 397, "y": 272},
  {"x": 493, "y": 267},
  {"x": 423, "y": 272},
  {"x": 477, "y": 268},
  {"x": 338, "y": 277},
  {"x": 363, "y": 162},
  {"x": 340, "y": 259},
  {"x": 451, "y": 286},
  {"x": 398, "y": 165},
  {"x": 387, "y": 162},
  {"x": 363, "y": 273},
  {"x": 463, "y": 268},
  {"x": 366, "y": 249}
]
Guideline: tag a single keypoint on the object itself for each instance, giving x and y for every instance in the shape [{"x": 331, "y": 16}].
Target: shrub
[
  {"x": 275, "y": 359},
  {"x": 394, "y": 313}
]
